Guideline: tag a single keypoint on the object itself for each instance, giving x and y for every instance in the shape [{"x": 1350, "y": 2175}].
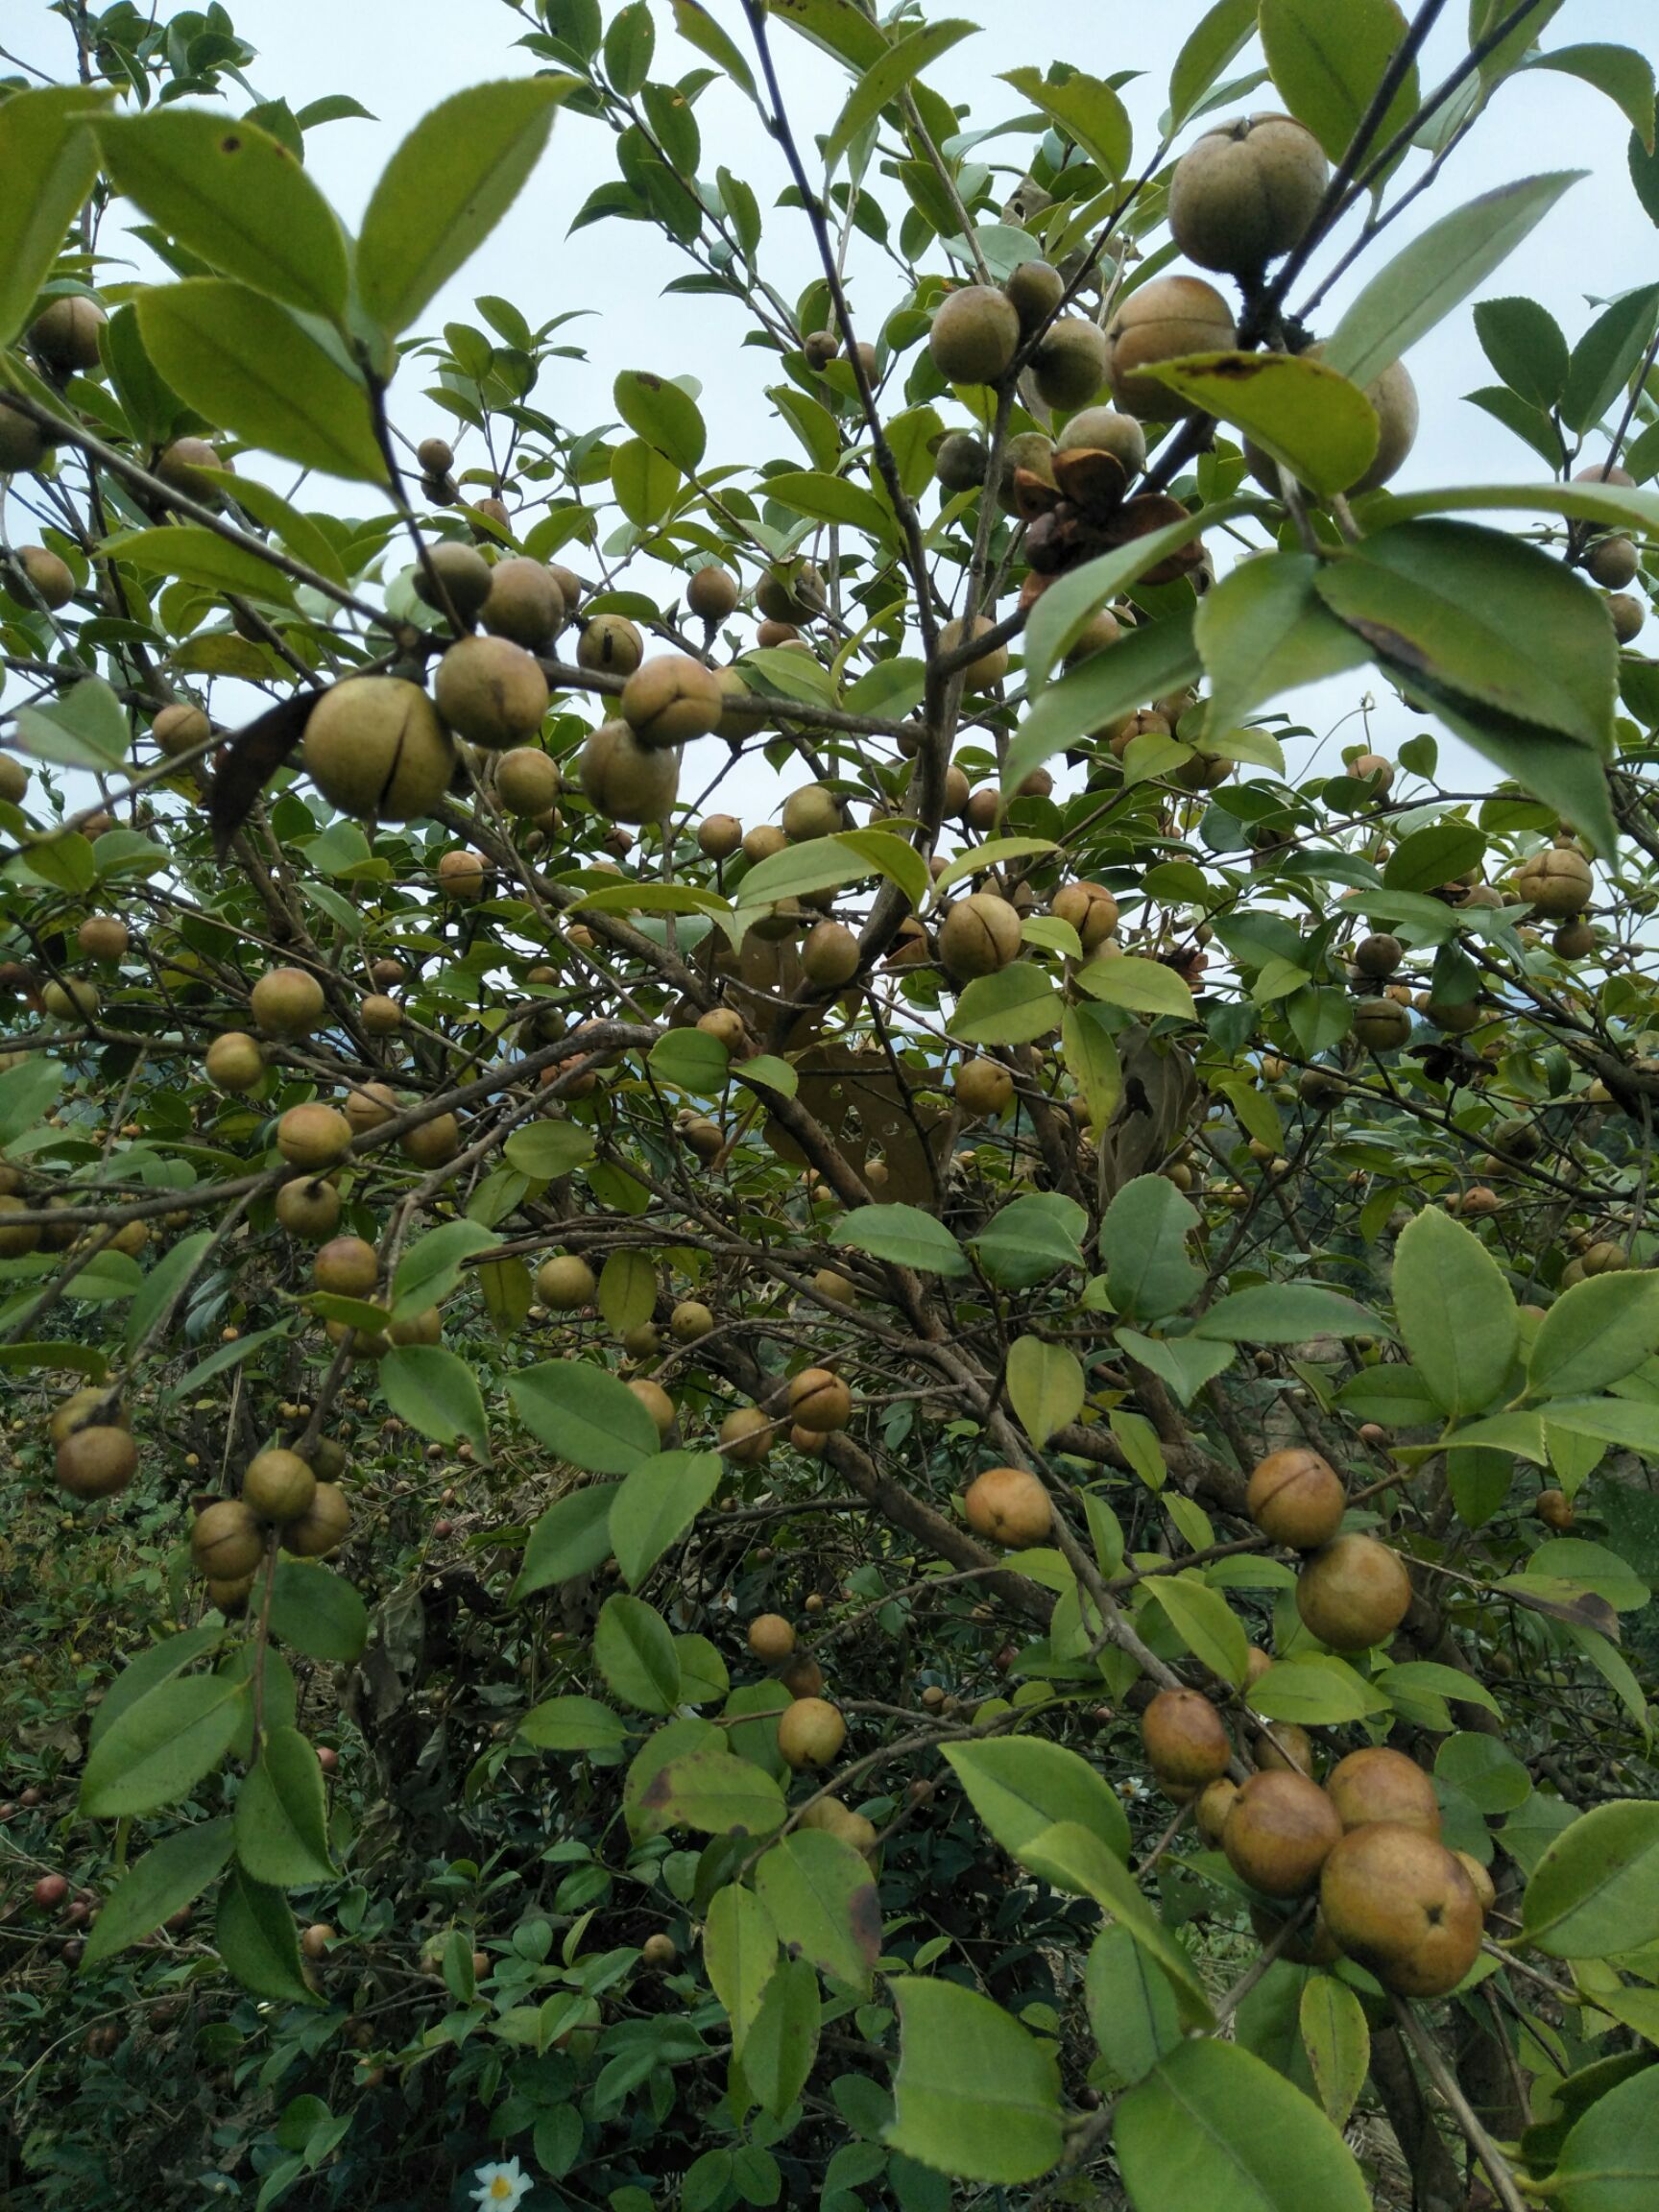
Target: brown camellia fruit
[
  {"x": 745, "y": 1435},
  {"x": 712, "y": 592},
  {"x": 1556, "y": 882},
  {"x": 349, "y": 1267},
  {"x": 491, "y": 691},
  {"x": 22, "y": 443},
  {"x": 802, "y": 1677},
  {"x": 64, "y": 334},
  {"x": 830, "y": 955},
  {"x": 227, "y": 1540},
  {"x": 811, "y": 811},
  {"x": 656, "y": 1402},
  {"x": 1402, "y": 1905},
  {"x": 810, "y": 1732},
  {"x": 50, "y": 578},
  {"x": 1245, "y": 192},
  {"x": 1009, "y": 1506},
  {"x": 96, "y": 1462},
  {"x": 1382, "y": 1024},
  {"x": 1288, "y": 1750},
  {"x": 527, "y": 782},
  {"x": 820, "y": 1401},
  {"x": 771, "y": 1637},
  {"x": 1164, "y": 320},
  {"x": 626, "y": 780},
  {"x": 180, "y": 728},
  {"x": 610, "y": 642},
  {"x": 1377, "y": 1784},
  {"x": 1555, "y": 1508},
  {"x": 982, "y": 1087},
  {"x": 1379, "y": 955},
  {"x": 782, "y": 598},
  {"x": 323, "y": 1528},
  {"x": 974, "y": 336},
  {"x": 1185, "y": 1740},
  {"x": 1353, "y": 1593},
  {"x": 1090, "y": 908},
  {"x": 1296, "y": 1498},
  {"x": 313, "y": 1136},
  {"x": 1069, "y": 365},
  {"x": 279, "y": 1485},
  {"x": 309, "y": 1208},
  {"x": 671, "y": 700},
  {"x": 1278, "y": 1834},
  {"x": 1212, "y": 1806},
  {"x": 978, "y": 935}
]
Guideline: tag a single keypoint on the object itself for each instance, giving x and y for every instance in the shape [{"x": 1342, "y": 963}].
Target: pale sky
[{"x": 400, "y": 57}]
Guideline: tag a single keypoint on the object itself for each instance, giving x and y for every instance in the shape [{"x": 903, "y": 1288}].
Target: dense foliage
[{"x": 942, "y": 1500}]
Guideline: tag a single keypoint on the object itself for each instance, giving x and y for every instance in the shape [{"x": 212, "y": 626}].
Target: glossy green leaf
[
  {"x": 1338, "y": 2042},
  {"x": 656, "y": 1504},
  {"x": 1610, "y": 2159},
  {"x": 903, "y": 1235},
  {"x": 282, "y": 1818},
  {"x": 1329, "y": 67},
  {"x": 1263, "y": 630},
  {"x": 161, "y": 1745},
  {"x": 1144, "y": 986},
  {"x": 1143, "y": 1247},
  {"x": 664, "y": 414},
  {"x": 1205, "y": 1623},
  {"x": 976, "y": 2095},
  {"x": 1216, "y": 40},
  {"x": 829, "y": 499},
  {"x": 1074, "y": 1859},
  {"x": 1625, "y": 75},
  {"x": 437, "y": 1393},
  {"x": 1524, "y": 343},
  {"x": 584, "y": 1414},
  {"x": 1014, "y": 1006},
  {"x": 1131, "y": 2004},
  {"x": 1021, "y": 1785},
  {"x": 710, "y": 1789},
  {"x": 1086, "y": 108},
  {"x": 1046, "y": 1387},
  {"x": 1285, "y": 1313},
  {"x": 1594, "y": 1334},
  {"x": 49, "y": 161},
  {"x": 634, "y": 1652},
  {"x": 169, "y": 1876},
  {"x": 1317, "y": 1692},
  {"x": 781, "y": 2043},
  {"x": 571, "y": 1538},
  {"x": 572, "y": 1724},
  {"x": 258, "y": 1942},
  {"x": 1595, "y": 1889},
  {"x": 1213, "y": 2125},
  {"x": 318, "y": 1612},
  {"x": 882, "y": 82},
  {"x": 1456, "y": 1311},
  {"x": 1314, "y": 422}
]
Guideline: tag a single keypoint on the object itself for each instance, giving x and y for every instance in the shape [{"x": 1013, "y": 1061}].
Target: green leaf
[
  {"x": 1205, "y": 1623},
  {"x": 1597, "y": 1332},
  {"x": 882, "y": 82},
  {"x": 627, "y": 1292},
  {"x": 903, "y": 1235},
  {"x": 1159, "y": 658},
  {"x": 1441, "y": 266},
  {"x": 1144, "y": 986},
  {"x": 437, "y": 1393},
  {"x": 1625, "y": 76},
  {"x": 822, "y": 1900},
  {"x": 447, "y": 187},
  {"x": 1595, "y": 1890},
  {"x": 1021, "y": 1786},
  {"x": 711, "y": 1791},
  {"x": 1610, "y": 2159},
  {"x": 646, "y": 483},
  {"x": 282, "y": 1817},
  {"x": 572, "y": 1724},
  {"x": 1285, "y": 1313},
  {"x": 739, "y": 1951},
  {"x": 829, "y": 499},
  {"x": 1130, "y": 2003},
  {"x": 1425, "y": 1677},
  {"x": 1046, "y": 1387},
  {"x": 1318, "y": 424},
  {"x": 584, "y": 1414},
  {"x": 318, "y": 1612},
  {"x": 1073, "y": 1858},
  {"x": 571, "y": 1538},
  {"x": 664, "y": 414},
  {"x": 1213, "y": 2124},
  {"x": 975, "y": 2095},
  {"x": 782, "y": 2044},
  {"x": 656, "y": 1504},
  {"x": 1262, "y": 630},
  {"x": 1318, "y": 1691},
  {"x": 163, "y": 1283},
  {"x": 1590, "y": 1566},
  {"x": 1144, "y": 1248},
  {"x": 1456, "y": 1312},
  {"x": 1090, "y": 1051},
  {"x": 1087, "y": 109},
  {"x": 825, "y": 863},
  {"x": 698, "y": 27},
  {"x": 992, "y": 853},
  {"x": 1337, "y": 2043},
  {"x": 1524, "y": 345},
  {"x": 234, "y": 195},
  {"x": 245, "y": 363},
  {"x": 1031, "y": 1239},
  {"x": 635, "y": 1652},
  {"x": 157, "y": 1749},
  {"x": 1216, "y": 40},
  {"x": 256, "y": 1938},
  {"x": 1014, "y": 1006},
  {"x": 432, "y": 1266},
  {"x": 168, "y": 1877},
  {"x": 1606, "y": 357},
  {"x": 86, "y": 727},
  {"x": 1327, "y": 67},
  {"x": 1426, "y": 858},
  {"x": 49, "y": 161},
  {"x": 1072, "y": 601}
]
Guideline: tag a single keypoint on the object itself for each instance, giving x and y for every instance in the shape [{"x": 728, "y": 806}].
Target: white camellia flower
[{"x": 500, "y": 2188}]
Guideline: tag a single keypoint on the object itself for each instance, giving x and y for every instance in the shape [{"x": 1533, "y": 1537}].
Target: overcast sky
[{"x": 400, "y": 57}]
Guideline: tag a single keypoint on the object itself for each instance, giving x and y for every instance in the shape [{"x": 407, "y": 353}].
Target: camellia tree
[{"x": 939, "y": 1500}]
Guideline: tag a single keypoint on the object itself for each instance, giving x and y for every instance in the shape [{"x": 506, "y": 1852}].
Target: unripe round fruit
[
  {"x": 425, "y": 1327},
  {"x": 462, "y": 877},
  {"x": 349, "y": 1266},
  {"x": 1296, "y": 1498},
  {"x": 611, "y": 643},
  {"x": 1185, "y": 1740},
  {"x": 1280, "y": 1831},
  {"x": 626, "y": 780},
  {"x": 432, "y": 1143},
  {"x": 1245, "y": 193},
  {"x": 13, "y": 779},
  {"x": 1104, "y": 430},
  {"x": 821, "y": 347},
  {"x": 313, "y": 1136},
  {"x": 1627, "y": 613},
  {"x": 1212, "y": 1806},
  {"x": 50, "y": 1891},
  {"x": 712, "y": 592},
  {"x": 1379, "y": 955},
  {"x": 802, "y": 1677},
  {"x": 1378, "y": 1784},
  {"x": 1557, "y": 881},
  {"x": 1090, "y": 908},
  {"x": 979, "y": 935},
  {"x": 991, "y": 666},
  {"x": 309, "y": 1208},
  {"x": 801, "y": 598},
  {"x": 671, "y": 700},
  {"x": 1372, "y": 768},
  {"x": 1353, "y": 1594},
  {"x": 436, "y": 456},
  {"x": 279, "y": 1485},
  {"x": 64, "y": 334},
  {"x": 658, "y": 1952},
  {"x": 1009, "y": 1506},
  {"x": 1290, "y": 1750},
  {"x": 566, "y": 1282},
  {"x": 22, "y": 445},
  {"x": 88, "y": 1408},
  {"x": 1479, "y": 1881},
  {"x": 71, "y": 999},
  {"x": 1612, "y": 562},
  {"x": 491, "y": 691},
  {"x": 828, "y": 1285},
  {"x": 762, "y": 841},
  {"x": 227, "y": 1540},
  {"x": 370, "y": 1104},
  {"x": 1070, "y": 366},
  {"x": 1165, "y": 319},
  {"x": 102, "y": 937},
  {"x": 830, "y": 955},
  {"x": 812, "y": 811},
  {"x": 982, "y": 1087},
  {"x": 771, "y": 1639},
  {"x": 180, "y": 728},
  {"x": 380, "y": 1016},
  {"x": 462, "y": 574},
  {"x": 188, "y": 463},
  {"x": 719, "y": 836},
  {"x": 52, "y": 579},
  {"x": 1555, "y": 1508},
  {"x": 96, "y": 1462},
  {"x": 745, "y": 1435},
  {"x": 961, "y": 462},
  {"x": 974, "y": 336},
  {"x": 820, "y": 1401},
  {"x": 811, "y": 1733},
  {"x": 288, "y": 1002},
  {"x": 524, "y": 604},
  {"x": 725, "y": 1025},
  {"x": 690, "y": 1321},
  {"x": 1382, "y": 1024},
  {"x": 1400, "y": 1905},
  {"x": 1035, "y": 291},
  {"x": 656, "y": 1402},
  {"x": 323, "y": 1528}
]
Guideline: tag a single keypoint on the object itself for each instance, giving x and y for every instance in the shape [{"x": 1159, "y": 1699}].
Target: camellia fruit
[
  {"x": 1185, "y": 1740},
  {"x": 1009, "y": 1506},
  {"x": 1245, "y": 192},
  {"x": 1377, "y": 1784},
  {"x": 771, "y": 1637},
  {"x": 1353, "y": 1594},
  {"x": 376, "y": 748},
  {"x": 820, "y": 1401},
  {"x": 810, "y": 1732},
  {"x": 1280, "y": 1832},
  {"x": 1296, "y": 1498},
  {"x": 279, "y": 1485},
  {"x": 1401, "y": 1906}
]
